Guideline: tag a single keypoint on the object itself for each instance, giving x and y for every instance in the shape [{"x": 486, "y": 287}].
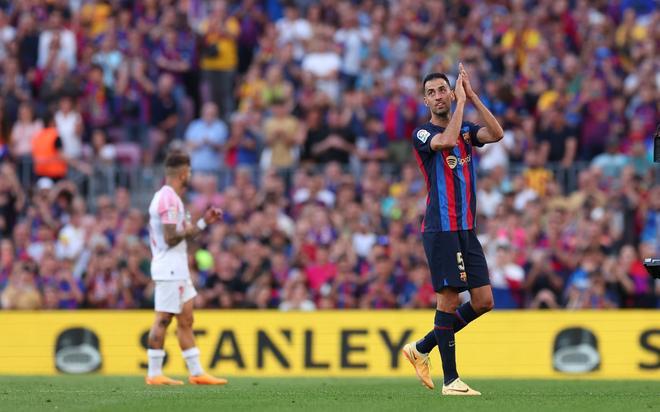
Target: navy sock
[
  {"x": 444, "y": 336},
  {"x": 427, "y": 343},
  {"x": 464, "y": 315}
]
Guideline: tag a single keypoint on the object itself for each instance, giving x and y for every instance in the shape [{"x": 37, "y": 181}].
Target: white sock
[
  {"x": 156, "y": 357},
  {"x": 192, "y": 361}
]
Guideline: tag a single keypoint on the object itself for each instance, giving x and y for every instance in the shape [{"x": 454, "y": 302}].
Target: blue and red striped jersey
[{"x": 451, "y": 203}]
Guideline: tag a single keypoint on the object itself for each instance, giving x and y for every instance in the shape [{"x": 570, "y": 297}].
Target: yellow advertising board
[{"x": 593, "y": 344}]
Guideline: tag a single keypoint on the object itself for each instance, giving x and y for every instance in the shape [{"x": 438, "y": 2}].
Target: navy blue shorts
[{"x": 456, "y": 260}]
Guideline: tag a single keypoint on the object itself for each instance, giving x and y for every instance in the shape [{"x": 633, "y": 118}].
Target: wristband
[{"x": 201, "y": 224}]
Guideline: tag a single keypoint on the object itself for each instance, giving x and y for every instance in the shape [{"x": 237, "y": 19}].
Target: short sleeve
[
  {"x": 168, "y": 208},
  {"x": 219, "y": 135},
  {"x": 473, "y": 129},
  {"x": 422, "y": 140}
]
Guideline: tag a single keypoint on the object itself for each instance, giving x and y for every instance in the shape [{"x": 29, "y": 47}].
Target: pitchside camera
[{"x": 652, "y": 265}]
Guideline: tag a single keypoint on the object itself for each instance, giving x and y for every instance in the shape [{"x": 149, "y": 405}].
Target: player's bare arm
[
  {"x": 173, "y": 237},
  {"x": 447, "y": 139},
  {"x": 492, "y": 131}
]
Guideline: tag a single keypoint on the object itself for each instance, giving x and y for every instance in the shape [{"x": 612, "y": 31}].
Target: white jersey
[{"x": 168, "y": 263}]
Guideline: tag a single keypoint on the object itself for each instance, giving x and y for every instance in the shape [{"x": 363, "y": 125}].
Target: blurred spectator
[
  {"x": 7, "y": 35},
  {"x": 219, "y": 59},
  {"x": 134, "y": 89},
  {"x": 12, "y": 200},
  {"x": 282, "y": 135},
  {"x": 337, "y": 144},
  {"x": 96, "y": 100},
  {"x": 48, "y": 152},
  {"x": 21, "y": 291},
  {"x": 69, "y": 128},
  {"x": 164, "y": 118},
  {"x": 205, "y": 139},
  {"x": 243, "y": 143},
  {"x": 611, "y": 162},
  {"x": 558, "y": 141},
  {"x": 298, "y": 300},
  {"x": 57, "y": 42},
  {"x": 23, "y": 133},
  {"x": 323, "y": 64},
  {"x": 506, "y": 278}
]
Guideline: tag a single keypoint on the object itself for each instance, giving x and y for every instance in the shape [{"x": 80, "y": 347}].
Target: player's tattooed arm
[
  {"x": 172, "y": 236},
  {"x": 492, "y": 132}
]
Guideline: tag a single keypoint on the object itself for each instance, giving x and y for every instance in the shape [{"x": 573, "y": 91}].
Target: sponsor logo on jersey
[{"x": 453, "y": 161}]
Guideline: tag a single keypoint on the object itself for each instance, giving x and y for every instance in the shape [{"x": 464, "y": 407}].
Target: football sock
[
  {"x": 156, "y": 357},
  {"x": 464, "y": 315},
  {"x": 444, "y": 336},
  {"x": 427, "y": 343},
  {"x": 192, "y": 361}
]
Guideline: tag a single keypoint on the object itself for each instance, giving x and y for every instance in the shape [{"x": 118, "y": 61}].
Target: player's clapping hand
[
  {"x": 459, "y": 90},
  {"x": 469, "y": 92}
]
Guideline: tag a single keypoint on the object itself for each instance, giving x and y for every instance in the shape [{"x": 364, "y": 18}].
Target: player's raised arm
[
  {"x": 492, "y": 131},
  {"x": 447, "y": 139}
]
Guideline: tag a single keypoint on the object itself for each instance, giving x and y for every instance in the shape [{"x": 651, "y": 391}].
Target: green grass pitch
[{"x": 97, "y": 393}]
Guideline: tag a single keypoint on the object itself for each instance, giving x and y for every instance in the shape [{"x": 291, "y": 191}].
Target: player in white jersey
[{"x": 169, "y": 228}]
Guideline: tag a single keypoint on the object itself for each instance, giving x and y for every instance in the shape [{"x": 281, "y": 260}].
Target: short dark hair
[
  {"x": 177, "y": 158},
  {"x": 433, "y": 76}
]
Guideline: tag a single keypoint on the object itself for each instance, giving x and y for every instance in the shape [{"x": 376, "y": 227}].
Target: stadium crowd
[{"x": 310, "y": 105}]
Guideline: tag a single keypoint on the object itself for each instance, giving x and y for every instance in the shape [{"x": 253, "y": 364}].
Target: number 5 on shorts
[{"x": 461, "y": 266}]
